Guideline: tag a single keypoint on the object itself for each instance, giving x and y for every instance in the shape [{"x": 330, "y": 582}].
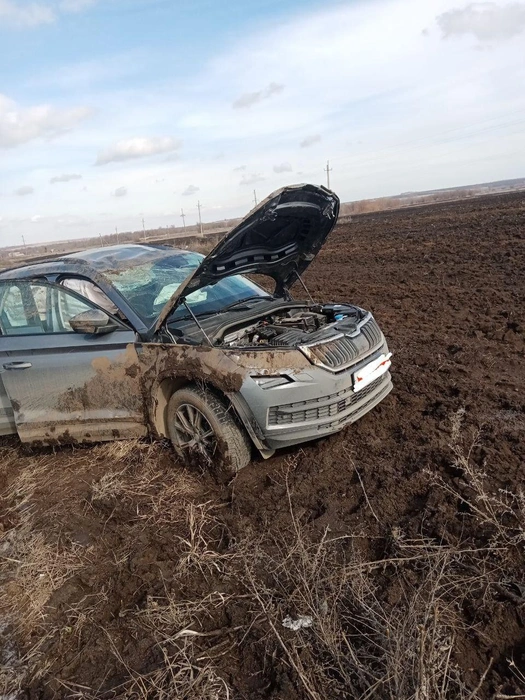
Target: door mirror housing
[{"x": 93, "y": 322}]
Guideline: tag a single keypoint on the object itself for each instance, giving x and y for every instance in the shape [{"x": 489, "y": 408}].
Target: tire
[{"x": 215, "y": 440}]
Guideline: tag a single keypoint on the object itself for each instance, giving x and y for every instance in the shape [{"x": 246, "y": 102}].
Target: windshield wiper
[
  {"x": 224, "y": 308},
  {"x": 254, "y": 297}
]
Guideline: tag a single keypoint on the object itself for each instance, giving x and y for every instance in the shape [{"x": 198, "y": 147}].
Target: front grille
[
  {"x": 338, "y": 354},
  {"x": 372, "y": 333},
  {"x": 324, "y": 407}
]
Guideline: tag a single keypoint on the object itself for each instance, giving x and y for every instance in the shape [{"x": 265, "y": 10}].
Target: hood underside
[{"x": 279, "y": 238}]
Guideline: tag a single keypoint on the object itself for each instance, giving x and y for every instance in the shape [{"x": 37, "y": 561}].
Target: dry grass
[
  {"x": 501, "y": 510},
  {"x": 380, "y": 629},
  {"x": 186, "y": 670},
  {"x": 39, "y": 568},
  {"x": 159, "y": 496},
  {"x": 33, "y": 564},
  {"x": 360, "y": 645},
  {"x": 199, "y": 546}
]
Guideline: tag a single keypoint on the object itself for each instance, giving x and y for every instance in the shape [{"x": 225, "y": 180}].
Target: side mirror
[{"x": 94, "y": 322}]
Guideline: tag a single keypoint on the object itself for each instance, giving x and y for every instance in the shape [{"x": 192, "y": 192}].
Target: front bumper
[{"x": 316, "y": 403}]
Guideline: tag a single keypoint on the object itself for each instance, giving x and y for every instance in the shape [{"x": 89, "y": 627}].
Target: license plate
[{"x": 367, "y": 374}]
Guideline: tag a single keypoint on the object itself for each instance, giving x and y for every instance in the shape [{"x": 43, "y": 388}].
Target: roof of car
[{"x": 94, "y": 259}]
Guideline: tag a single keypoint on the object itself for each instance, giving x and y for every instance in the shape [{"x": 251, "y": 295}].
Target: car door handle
[{"x": 18, "y": 365}]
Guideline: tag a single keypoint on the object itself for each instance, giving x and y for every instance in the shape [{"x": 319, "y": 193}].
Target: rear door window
[
  {"x": 21, "y": 312},
  {"x": 32, "y": 308}
]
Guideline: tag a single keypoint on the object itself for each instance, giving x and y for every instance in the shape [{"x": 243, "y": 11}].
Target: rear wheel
[{"x": 204, "y": 431}]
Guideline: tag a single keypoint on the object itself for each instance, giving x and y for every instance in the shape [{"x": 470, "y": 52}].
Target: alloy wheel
[{"x": 192, "y": 431}]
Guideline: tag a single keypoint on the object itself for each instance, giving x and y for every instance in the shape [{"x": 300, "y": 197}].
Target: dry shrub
[
  {"x": 500, "y": 511},
  {"x": 360, "y": 645}
]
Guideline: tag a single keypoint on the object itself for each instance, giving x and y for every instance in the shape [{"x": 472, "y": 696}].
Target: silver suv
[{"x": 135, "y": 340}]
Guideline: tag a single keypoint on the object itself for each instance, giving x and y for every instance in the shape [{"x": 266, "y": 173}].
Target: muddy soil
[{"x": 447, "y": 285}]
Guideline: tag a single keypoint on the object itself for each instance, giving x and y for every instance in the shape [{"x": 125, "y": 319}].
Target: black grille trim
[{"x": 325, "y": 407}]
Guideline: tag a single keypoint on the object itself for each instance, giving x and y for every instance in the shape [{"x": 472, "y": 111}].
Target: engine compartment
[{"x": 293, "y": 326}]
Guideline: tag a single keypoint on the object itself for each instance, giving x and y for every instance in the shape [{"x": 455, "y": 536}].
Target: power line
[
  {"x": 328, "y": 170},
  {"x": 436, "y": 139},
  {"x": 200, "y": 220}
]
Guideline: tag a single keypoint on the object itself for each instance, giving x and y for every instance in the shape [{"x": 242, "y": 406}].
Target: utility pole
[
  {"x": 328, "y": 170},
  {"x": 116, "y": 234},
  {"x": 200, "y": 220},
  {"x": 255, "y": 198},
  {"x": 183, "y": 217},
  {"x": 143, "y": 230},
  {"x": 101, "y": 241},
  {"x": 23, "y": 240}
]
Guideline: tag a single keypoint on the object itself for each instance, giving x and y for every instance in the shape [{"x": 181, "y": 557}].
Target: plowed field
[{"x": 396, "y": 546}]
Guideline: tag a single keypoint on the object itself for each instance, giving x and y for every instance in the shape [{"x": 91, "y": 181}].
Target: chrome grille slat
[{"x": 338, "y": 354}]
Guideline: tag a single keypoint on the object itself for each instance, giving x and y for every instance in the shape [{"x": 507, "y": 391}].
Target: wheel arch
[
  {"x": 169, "y": 385},
  {"x": 161, "y": 395}
]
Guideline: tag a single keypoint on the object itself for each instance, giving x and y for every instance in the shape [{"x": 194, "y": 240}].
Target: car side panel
[
  {"x": 77, "y": 387},
  {"x": 7, "y": 419}
]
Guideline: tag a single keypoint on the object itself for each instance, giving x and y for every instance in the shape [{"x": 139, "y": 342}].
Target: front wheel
[{"x": 203, "y": 430}]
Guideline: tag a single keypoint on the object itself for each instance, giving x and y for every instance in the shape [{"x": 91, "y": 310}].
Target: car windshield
[{"x": 148, "y": 286}]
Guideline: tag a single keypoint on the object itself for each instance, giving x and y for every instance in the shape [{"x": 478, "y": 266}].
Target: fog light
[{"x": 269, "y": 382}]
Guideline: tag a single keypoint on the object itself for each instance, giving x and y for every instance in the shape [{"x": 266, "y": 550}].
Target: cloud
[
  {"x": 465, "y": 128},
  {"x": 251, "y": 98},
  {"x": 25, "y": 15},
  {"x": 23, "y": 191},
  {"x": 487, "y": 21},
  {"x": 138, "y": 147},
  {"x": 66, "y": 177},
  {"x": 239, "y": 169},
  {"x": 28, "y": 15},
  {"x": 20, "y": 125},
  {"x": 75, "y": 6},
  {"x": 251, "y": 179},
  {"x": 120, "y": 192},
  {"x": 282, "y": 168},
  {"x": 191, "y": 189},
  {"x": 310, "y": 140}
]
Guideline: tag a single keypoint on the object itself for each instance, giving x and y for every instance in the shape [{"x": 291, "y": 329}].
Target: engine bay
[{"x": 293, "y": 326}]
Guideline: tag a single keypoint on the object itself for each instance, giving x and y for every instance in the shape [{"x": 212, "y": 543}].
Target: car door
[
  {"x": 7, "y": 420},
  {"x": 65, "y": 386}
]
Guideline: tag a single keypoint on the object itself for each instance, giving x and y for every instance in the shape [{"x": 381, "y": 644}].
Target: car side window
[
  {"x": 29, "y": 308},
  {"x": 64, "y": 306},
  {"x": 15, "y": 317}
]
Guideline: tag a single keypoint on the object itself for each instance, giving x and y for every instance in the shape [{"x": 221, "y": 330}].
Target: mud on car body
[{"x": 196, "y": 351}]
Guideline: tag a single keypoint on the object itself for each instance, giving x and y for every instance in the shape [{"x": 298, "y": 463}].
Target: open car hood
[{"x": 279, "y": 238}]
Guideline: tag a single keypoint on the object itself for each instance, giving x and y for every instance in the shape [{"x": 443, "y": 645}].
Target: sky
[{"x": 116, "y": 110}]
